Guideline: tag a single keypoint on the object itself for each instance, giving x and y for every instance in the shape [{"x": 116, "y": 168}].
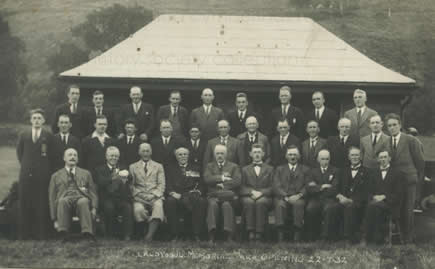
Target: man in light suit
[
  {"x": 280, "y": 143},
  {"x": 207, "y": 115},
  {"x": 373, "y": 142},
  {"x": 234, "y": 149},
  {"x": 312, "y": 145},
  {"x": 175, "y": 113},
  {"x": 147, "y": 188},
  {"x": 238, "y": 117},
  {"x": 406, "y": 157},
  {"x": 72, "y": 189},
  {"x": 360, "y": 114},
  {"x": 222, "y": 178},
  {"x": 256, "y": 192},
  {"x": 250, "y": 137},
  {"x": 326, "y": 117}
]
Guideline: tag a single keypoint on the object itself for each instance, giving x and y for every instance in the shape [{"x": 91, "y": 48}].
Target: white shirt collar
[
  {"x": 314, "y": 139},
  {"x": 95, "y": 134},
  {"x": 223, "y": 163},
  {"x": 321, "y": 110},
  {"x": 324, "y": 168},
  {"x": 110, "y": 166},
  {"x": 207, "y": 106},
  {"x": 194, "y": 141},
  {"x": 363, "y": 108},
  {"x": 73, "y": 169},
  {"x": 397, "y": 137},
  {"x": 252, "y": 135},
  {"x": 37, "y": 131},
  {"x": 168, "y": 138},
  {"x": 285, "y": 136},
  {"x": 292, "y": 165},
  {"x": 224, "y": 137},
  {"x": 130, "y": 136},
  {"x": 345, "y": 137}
]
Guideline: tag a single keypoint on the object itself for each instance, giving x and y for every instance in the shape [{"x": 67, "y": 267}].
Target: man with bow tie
[
  {"x": 177, "y": 114},
  {"x": 222, "y": 178},
  {"x": 185, "y": 196},
  {"x": 326, "y": 117},
  {"x": 250, "y": 137},
  {"x": 256, "y": 192},
  {"x": 289, "y": 187},
  {"x": 148, "y": 188},
  {"x": 321, "y": 204},
  {"x": 360, "y": 115},
  {"x": 373, "y": 142},
  {"x": 312, "y": 145},
  {"x": 237, "y": 118},
  {"x": 114, "y": 194},
  {"x": 339, "y": 145},
  {"x": 63, "y": 140},
  {"x": 100, "y": 109},
  {"x": 129, "y": 144},
  {"x": 353, "y": 190},
  {"x": 280, "y": 143},
  {"x": 385, "y": 197}
]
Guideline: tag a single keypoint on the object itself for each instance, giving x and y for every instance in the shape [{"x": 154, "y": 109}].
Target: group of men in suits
[{"x": 316, "y": 172}]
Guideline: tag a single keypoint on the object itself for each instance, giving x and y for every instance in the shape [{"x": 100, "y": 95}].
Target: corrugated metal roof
[{"x": 236, "y": 48}]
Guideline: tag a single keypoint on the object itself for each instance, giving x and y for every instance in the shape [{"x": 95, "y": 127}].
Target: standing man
[
  {"x": 177, "y": 115},
  {"x": 164, "y": 145},
  {"x": 222, "y": 178},
  {"x": 256, "y": 192},
  {"x": 293, "y": 114},
  {"x": 75, "y": 111},
  {"x": 100, "y": 109},
  {"x": 148, "y": 187},
  {"x": 406, "y": 157},
  {"x": 326, "y": 117},
  {"x": 360, "y": 114},
  {"x": 237, "y": 118},
  {"x": 34, "y": 151},
  {"x": 312, "y": 145},
  {"x": 289, "y": 191},
  {"x": 207, "y": 115},
  {"x": 141, "y": 112},
  {"x": 250, "y": 137},
  {"x": 339, "y": 145},
  {"x": 196, "y": 147},
  {"x": 63, "y": 140},
  {"x": 280, "y": 143},
  {"x": 128, "y": 145},
  {"x": 372, "y": 143}
]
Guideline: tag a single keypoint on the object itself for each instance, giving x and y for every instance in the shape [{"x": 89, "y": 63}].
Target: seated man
[
  {"x": 321, "y": 191},
  {"x": 147, "y": 188},
  {"x": 72, "y": 190},
  {"x": 114, "y": 193},
  {"x": 289, "y": 189},
  {"x": 256, "y": 192},
  {"x": 385, "y": 196},
  {"x": 185, "y": 195},
  {"x": 353, "y": 187},
  {"x": 222, "y": 179}
]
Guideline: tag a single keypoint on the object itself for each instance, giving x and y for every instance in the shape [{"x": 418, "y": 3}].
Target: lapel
[
  {"x": 318, "y": 145},
  {"x": 306, "y": 146},
  {"x": 364, "y": 116}
]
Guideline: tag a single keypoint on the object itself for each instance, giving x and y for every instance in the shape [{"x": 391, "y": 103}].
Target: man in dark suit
[
  {"x": 360, "y": 114},
  {"x": 237, "y": 118},
  {"x": 256, "y": 192},
  {"x": 312, "y": 145},
  {"x": 196, "y": 147},
  {"x": 406, "y": 157},
  {"x": 385, "y": 195},
  {"x": 177, "y": 115},
  {"x": 75, "y": 111},
  {"x": 94, "y": 146},
  {"x": 250, "y": 137},
  {"x": 185, "y": 196},
  {"x": 280, "y": 143},
  {"x": 100, "y": 109},
  {"x": 165, "y": 144},
  {"x": 353, "y": 190},
  {"x": 207, "y": 115},
  {"x": 63, "y": 140},
  {"x": 289, "y": 182},
  {"x": 142, "y": 112},
  {"x": 114, "y": 194},
  {"x": 372, "y": 143},
  {"x": 293, "y": 114},
  {"x": 222, "y": 178},
  {"x": 234, "y": 149},
  {"x": 34, "y": 150},
  {"x": 129, "y": 144},
  {"x": 322, "y": 204},
  {"x": 326, "y": 117},
  {"x": 339, "y": 145}
]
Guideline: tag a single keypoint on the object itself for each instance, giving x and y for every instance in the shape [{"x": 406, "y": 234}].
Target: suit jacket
[
  {"x": 245, "y": 144},
  {"x": 262, "y": 183},
  {"x": 129, "y": 152},
  {"x": 408, "y": 157},
  {"x": 181, "y": 183},
  {"x": 327, "y": 123},
  {"x": 237, "y": 125},
  {"x": 59, "y": 148},
  {"x": 166, "y": 154},
  {"x": 286, "y": 182},
  {"x": 59, "y": 185},
  {"x": 110, "y": 186},
  {"x": 144, "y": 118},
  {"x": 91, "y": 115},
  {"x": 356, "y": 188},
  {"x": 213, "y": 176},
  {"x": 363, "y": 128},
  {"x": 295, "y": 118},
  {"x": 277, "y": 153},
  {"x": 152, "y": 183},
  {"x": 79, "y": 123},
  {"x": 93, "y": 153},
  {"x": 368, "y": 152},
  {"x": 331, "y": 176},
  {"x": 196, "y": 155},
  {"x": 207, "y": 123},
  {"x": 309, "y": 157},
  {"x": 339, "y": 153},
  {"x": 234, "y": 150},
  {"x": 164, "y": 112}
]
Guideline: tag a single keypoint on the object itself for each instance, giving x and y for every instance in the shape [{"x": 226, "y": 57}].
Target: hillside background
[{"x": 399, "y": 34}]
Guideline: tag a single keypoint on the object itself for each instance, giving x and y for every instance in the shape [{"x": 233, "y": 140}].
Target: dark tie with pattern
[{"x": 145, "y": 167}]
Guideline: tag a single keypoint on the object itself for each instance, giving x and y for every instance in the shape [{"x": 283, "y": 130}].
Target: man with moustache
[
  {"x": 312, "y": 145},
  {"x": 63, "y": 140},
  {"x": 250, "y": 137},
  {"x": 281, "y": 142},
  {"x": 360, "y": 115},
  {"x": 177, "y": 114},
  {"x": 373, "y": 142},
  {"x": 326, "y": 117}
]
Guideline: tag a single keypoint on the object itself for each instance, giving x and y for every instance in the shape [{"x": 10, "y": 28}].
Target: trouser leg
[
  {"x": 262, "y": 206},
  {"x": 109, "y": 215},
  {"x": 228, "y": 215},
  {"x": 313, "y": 218},
  {"x": 212, "y": 213},
  {"x": 64, "y": 214},
  {"x": 127, "y": 218},
  {"x": 84, "y": 214},
  {"x": 172, "y": 210},
  {"x": 248, "y": 205}
]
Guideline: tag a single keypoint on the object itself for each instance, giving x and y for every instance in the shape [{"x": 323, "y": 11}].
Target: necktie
[
  {"x": 374, "y": 140},
  {"x": 71, "y": 174},
  {"x": 317, "y": 115},
  {"x": 223, "y": 141},
  {"x": 221, "y": 167},
  {"x": 135, "y": 108},
  {"x": 241, "y": 115},
  {"x": 342, "y": 140},
  {"x": 293, "y": 168},
  {"x": 394, "y": 143},
  {"x": 323, "y": 170},
  {"x": 312, "y": 144},
  {"x": 283, "y": 111},
  {"x": 183, "y": 170},
  {"x": 64, "y": 139},
  {"x": 175, "y": 112},
  {"x": 130, "y": 140},
  {"x": 145, "y": 167},
  {"x": 74, "y": 108},
  {"x": 257, "y": 168},
  {"x": 252, "y": 140},
  {"x": 359, "y": 116},
  {"x": 166, "y": 141},
  {"x": 282, "y": 141},
  {"x": 207, "y": 110},
  {"x": 112, "y": 170}
]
